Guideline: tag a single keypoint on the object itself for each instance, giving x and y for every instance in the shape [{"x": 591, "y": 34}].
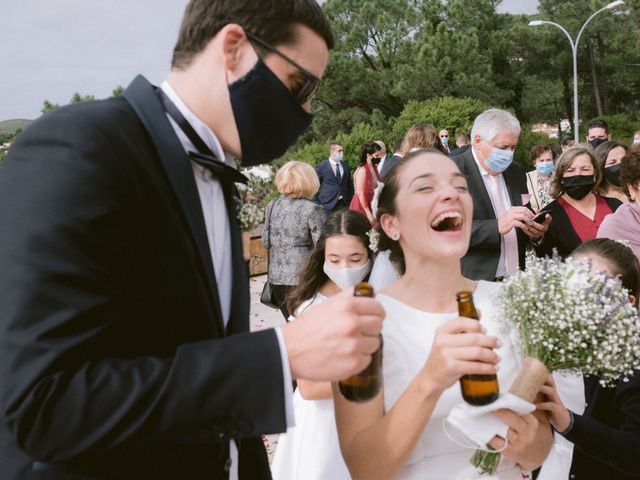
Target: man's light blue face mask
[{"x": 499, "y": 159}]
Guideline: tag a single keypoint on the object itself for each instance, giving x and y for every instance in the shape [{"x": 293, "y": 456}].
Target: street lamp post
[{"x": 574, "y": 51}]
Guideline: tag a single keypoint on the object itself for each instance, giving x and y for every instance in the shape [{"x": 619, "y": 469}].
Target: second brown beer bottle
[
  {"x": 476, "y": 389},
  {"x": 366, "y": 384}
]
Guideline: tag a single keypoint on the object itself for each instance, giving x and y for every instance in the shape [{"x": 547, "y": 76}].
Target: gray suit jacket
[{"x": 481, "y": 260}]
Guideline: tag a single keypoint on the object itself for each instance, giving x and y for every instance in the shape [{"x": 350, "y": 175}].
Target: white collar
[
  {"x": 202, "y": 129},
  {"x": 483, "y": 171}
]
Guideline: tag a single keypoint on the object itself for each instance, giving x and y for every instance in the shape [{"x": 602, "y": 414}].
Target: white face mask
[{"x": 347, "y": 277}]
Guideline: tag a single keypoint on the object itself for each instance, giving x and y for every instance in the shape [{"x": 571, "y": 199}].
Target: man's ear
[{"x": 233, "y": 39}]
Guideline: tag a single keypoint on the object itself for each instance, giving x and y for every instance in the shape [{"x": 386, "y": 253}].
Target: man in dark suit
[
  {"x": 462, "y": 144},
  {"x": 125, "y": 350},
  {"x": 394, "y": 159},
  {"x": 336, "y": 187},
  {"x": 501, "y": 225}
]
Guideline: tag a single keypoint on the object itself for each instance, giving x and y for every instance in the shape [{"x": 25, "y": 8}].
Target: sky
[{"x": 51, "y": 49}]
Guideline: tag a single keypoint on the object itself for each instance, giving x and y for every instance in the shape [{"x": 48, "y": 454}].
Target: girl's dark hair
[
  {"x": 312, "y": 277},
  {"x": 368, "y": 149},
  {"x": 621, "y": 258},
  {"x": 387, "y": 204}
]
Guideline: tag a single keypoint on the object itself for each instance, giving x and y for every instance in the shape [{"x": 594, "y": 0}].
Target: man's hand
[
  {"x": 515, "y": 217},
  {"x": 335, "y": 339},
  {"x": 536, "y": 230}
]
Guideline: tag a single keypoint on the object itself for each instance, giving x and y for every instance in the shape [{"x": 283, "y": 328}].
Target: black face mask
[
  {"x": 268, "y": 118},
  {"x": 375, "y": 160},
  {"x": 612, "y": 174},
  {"x": 597, "y": 141},
  {"x": 578, "y": 186}
]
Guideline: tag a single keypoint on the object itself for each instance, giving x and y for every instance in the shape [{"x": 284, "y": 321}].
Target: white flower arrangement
[
  {"x": 251, "y": 202},
  {"x": 374, "y": 239},
  {"x": 569, "y": 320},
  {"x": 572, "y": 320},
  {"x": 250, "y": 216}
]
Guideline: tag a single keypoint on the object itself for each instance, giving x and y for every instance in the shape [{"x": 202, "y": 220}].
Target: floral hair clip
[{"x": 374, "y": 238}]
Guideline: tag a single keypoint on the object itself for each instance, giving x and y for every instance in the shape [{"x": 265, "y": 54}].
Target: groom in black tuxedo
[{"x": 125, "y": 350}]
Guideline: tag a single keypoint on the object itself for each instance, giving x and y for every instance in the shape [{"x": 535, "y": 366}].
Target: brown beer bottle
[
  {"x": 366, "y": 384},
  {"x": 476, "y": 389}
]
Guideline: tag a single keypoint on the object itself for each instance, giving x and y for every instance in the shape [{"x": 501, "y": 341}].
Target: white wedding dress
[
  {"x": 310, "y": 450},
  {"x": 408, "y": 335}
]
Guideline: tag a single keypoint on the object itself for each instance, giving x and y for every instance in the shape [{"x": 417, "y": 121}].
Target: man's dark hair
[
  {"x": 598, "y": 123},
  {"x": 397, "y": 145},
  {"x": 566, "y": 140},
  {"x": 274, "y": 21}
]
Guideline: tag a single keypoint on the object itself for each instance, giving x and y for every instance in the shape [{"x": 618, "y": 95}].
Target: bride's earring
[{"x": 395, "y": 237}]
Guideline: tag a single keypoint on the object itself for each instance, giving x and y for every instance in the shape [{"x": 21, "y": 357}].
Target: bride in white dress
[
  {"x": 340, "y": 260},
  {"x": 425, "y": 213}
]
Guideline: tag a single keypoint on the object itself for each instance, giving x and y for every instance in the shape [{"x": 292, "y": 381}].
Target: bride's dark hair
[
  {"x": 387, "y": 204},
  {"x": 312, "y": 277}
]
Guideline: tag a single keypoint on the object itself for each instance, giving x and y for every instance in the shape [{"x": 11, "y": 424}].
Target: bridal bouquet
[{"x": 566, "y": 319}]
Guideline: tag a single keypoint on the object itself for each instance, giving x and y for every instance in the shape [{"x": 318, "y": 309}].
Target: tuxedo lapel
[
  {"x": 509, "y": 180},
  {"x": 142, "y": 97},
  {"x": 240, "y": 301},
  {"x": 481, "y": 199}
]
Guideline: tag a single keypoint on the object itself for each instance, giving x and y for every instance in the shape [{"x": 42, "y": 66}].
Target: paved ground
[{"x": 263, "y": 317}]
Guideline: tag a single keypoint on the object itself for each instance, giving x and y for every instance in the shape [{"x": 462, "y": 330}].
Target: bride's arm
[{"x": 375, "y": 444}]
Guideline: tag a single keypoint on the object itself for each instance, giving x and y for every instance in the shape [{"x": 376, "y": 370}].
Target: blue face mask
[
  {"x": 499, "y": 160},
  {"x": 339, "y": 157},
  {"x": 545, "y": 168}
]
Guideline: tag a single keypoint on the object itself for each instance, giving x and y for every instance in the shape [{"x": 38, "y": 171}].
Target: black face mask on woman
[
  {"x": 578, "y": 186},
  {"x": 612, "y": 174},
  {"x": 268, "y": 117}
]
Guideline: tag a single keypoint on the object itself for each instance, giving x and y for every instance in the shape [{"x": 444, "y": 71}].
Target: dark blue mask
[{"x": 268, "y": 118}]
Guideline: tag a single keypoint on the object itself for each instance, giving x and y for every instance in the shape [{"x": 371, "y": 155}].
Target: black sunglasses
[{"x": 311, "y": 82}]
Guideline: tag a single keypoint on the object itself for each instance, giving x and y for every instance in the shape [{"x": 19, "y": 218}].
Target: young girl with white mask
[{"x": 340, "y": 260}]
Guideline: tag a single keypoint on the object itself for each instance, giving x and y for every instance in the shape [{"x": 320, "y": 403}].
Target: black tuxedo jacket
[
  {"x": 330, "y": 189},
  {"x": 114, "y": 362},
  {"x": 481, "y": 260},
  {"x": 607, "y": 435}
]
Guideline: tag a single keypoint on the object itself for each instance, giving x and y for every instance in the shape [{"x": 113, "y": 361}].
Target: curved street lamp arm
[
  {"x": 564, "y": 30},
  {"x": 588, "y": 20}
]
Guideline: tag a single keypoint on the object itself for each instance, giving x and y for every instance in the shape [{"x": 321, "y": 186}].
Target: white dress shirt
[
  {"x": 219, "y": 236},
  {"x": 504, "y": 194},
  {"x": 337, "y": 168}
]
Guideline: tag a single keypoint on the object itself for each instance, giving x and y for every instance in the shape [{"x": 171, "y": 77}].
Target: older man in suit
[
  {"x": 125, "y": 350},
  {"x": 336, "y": 187},
  {"x": 502, "y": 226}
]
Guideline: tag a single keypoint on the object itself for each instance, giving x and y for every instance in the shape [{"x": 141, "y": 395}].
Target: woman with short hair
[
  {"x": 539, "y": 179},
  {"x": 292, "y": 227}
]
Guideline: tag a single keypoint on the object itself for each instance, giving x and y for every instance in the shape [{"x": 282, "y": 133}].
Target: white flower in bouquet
[
  {"x": 569, "y": 320},
  {"x": 250, "y": 216}
]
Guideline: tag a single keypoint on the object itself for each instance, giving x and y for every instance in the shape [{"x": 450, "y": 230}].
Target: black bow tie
[
  {"x": 219, "y": 169},
  {"x": 204, "y": 156}
]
